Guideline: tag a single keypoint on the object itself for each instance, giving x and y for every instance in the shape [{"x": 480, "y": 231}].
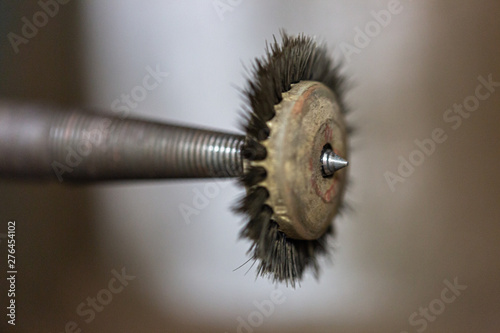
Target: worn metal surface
[{"x": 307, "y": 121}]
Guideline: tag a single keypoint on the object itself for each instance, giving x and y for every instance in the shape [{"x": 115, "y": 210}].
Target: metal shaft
[{"x": 39, "y": 142}]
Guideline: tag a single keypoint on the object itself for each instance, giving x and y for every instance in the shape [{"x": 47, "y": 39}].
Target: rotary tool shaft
[{"x": 40, "y": 142}]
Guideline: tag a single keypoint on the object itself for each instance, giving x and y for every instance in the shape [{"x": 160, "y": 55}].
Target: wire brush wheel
[
  {"x": 294, "y": 114},
  {"x": 291, "y": 160}
]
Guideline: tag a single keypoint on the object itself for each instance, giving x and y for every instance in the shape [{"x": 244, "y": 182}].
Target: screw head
[{"x": 331, "y": 162}]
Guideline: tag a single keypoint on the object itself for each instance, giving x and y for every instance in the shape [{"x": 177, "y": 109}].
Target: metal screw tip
[{"x": 331, "y": 162}]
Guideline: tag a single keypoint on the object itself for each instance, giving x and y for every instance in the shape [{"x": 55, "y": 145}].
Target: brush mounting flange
[{"x": 308, "y": 121}]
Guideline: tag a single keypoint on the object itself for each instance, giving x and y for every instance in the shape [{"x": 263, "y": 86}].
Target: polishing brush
[{"x": 290, "y": 159}]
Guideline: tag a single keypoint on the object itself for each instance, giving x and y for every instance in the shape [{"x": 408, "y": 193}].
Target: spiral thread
[{"x": 92, "y": 146}]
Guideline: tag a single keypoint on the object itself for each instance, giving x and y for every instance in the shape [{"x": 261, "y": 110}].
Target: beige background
[{"x": 392, "y": 251}]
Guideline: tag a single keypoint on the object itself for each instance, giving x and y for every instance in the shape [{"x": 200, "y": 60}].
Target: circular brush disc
[{"x": 294, "y": 122}]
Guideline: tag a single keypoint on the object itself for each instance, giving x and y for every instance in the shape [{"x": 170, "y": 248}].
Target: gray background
[{"x": 392, "y": 251}]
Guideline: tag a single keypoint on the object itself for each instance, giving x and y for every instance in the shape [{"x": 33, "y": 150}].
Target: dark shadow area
[{"x": 54, "y": 232}]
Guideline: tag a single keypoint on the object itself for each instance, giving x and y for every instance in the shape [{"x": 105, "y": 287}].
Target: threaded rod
[{"x": 40, "y": 142}]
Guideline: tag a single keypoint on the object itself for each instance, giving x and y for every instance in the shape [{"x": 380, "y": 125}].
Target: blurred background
[{"x": 412, "y": 234}]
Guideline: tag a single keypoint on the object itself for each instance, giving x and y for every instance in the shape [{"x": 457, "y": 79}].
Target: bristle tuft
[
  {"x": 253, "y": 150},
  {"x": 253, "y": 176}
]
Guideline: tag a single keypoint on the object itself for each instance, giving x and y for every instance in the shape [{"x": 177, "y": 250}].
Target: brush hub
[{"x": 307, "y": 122}]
